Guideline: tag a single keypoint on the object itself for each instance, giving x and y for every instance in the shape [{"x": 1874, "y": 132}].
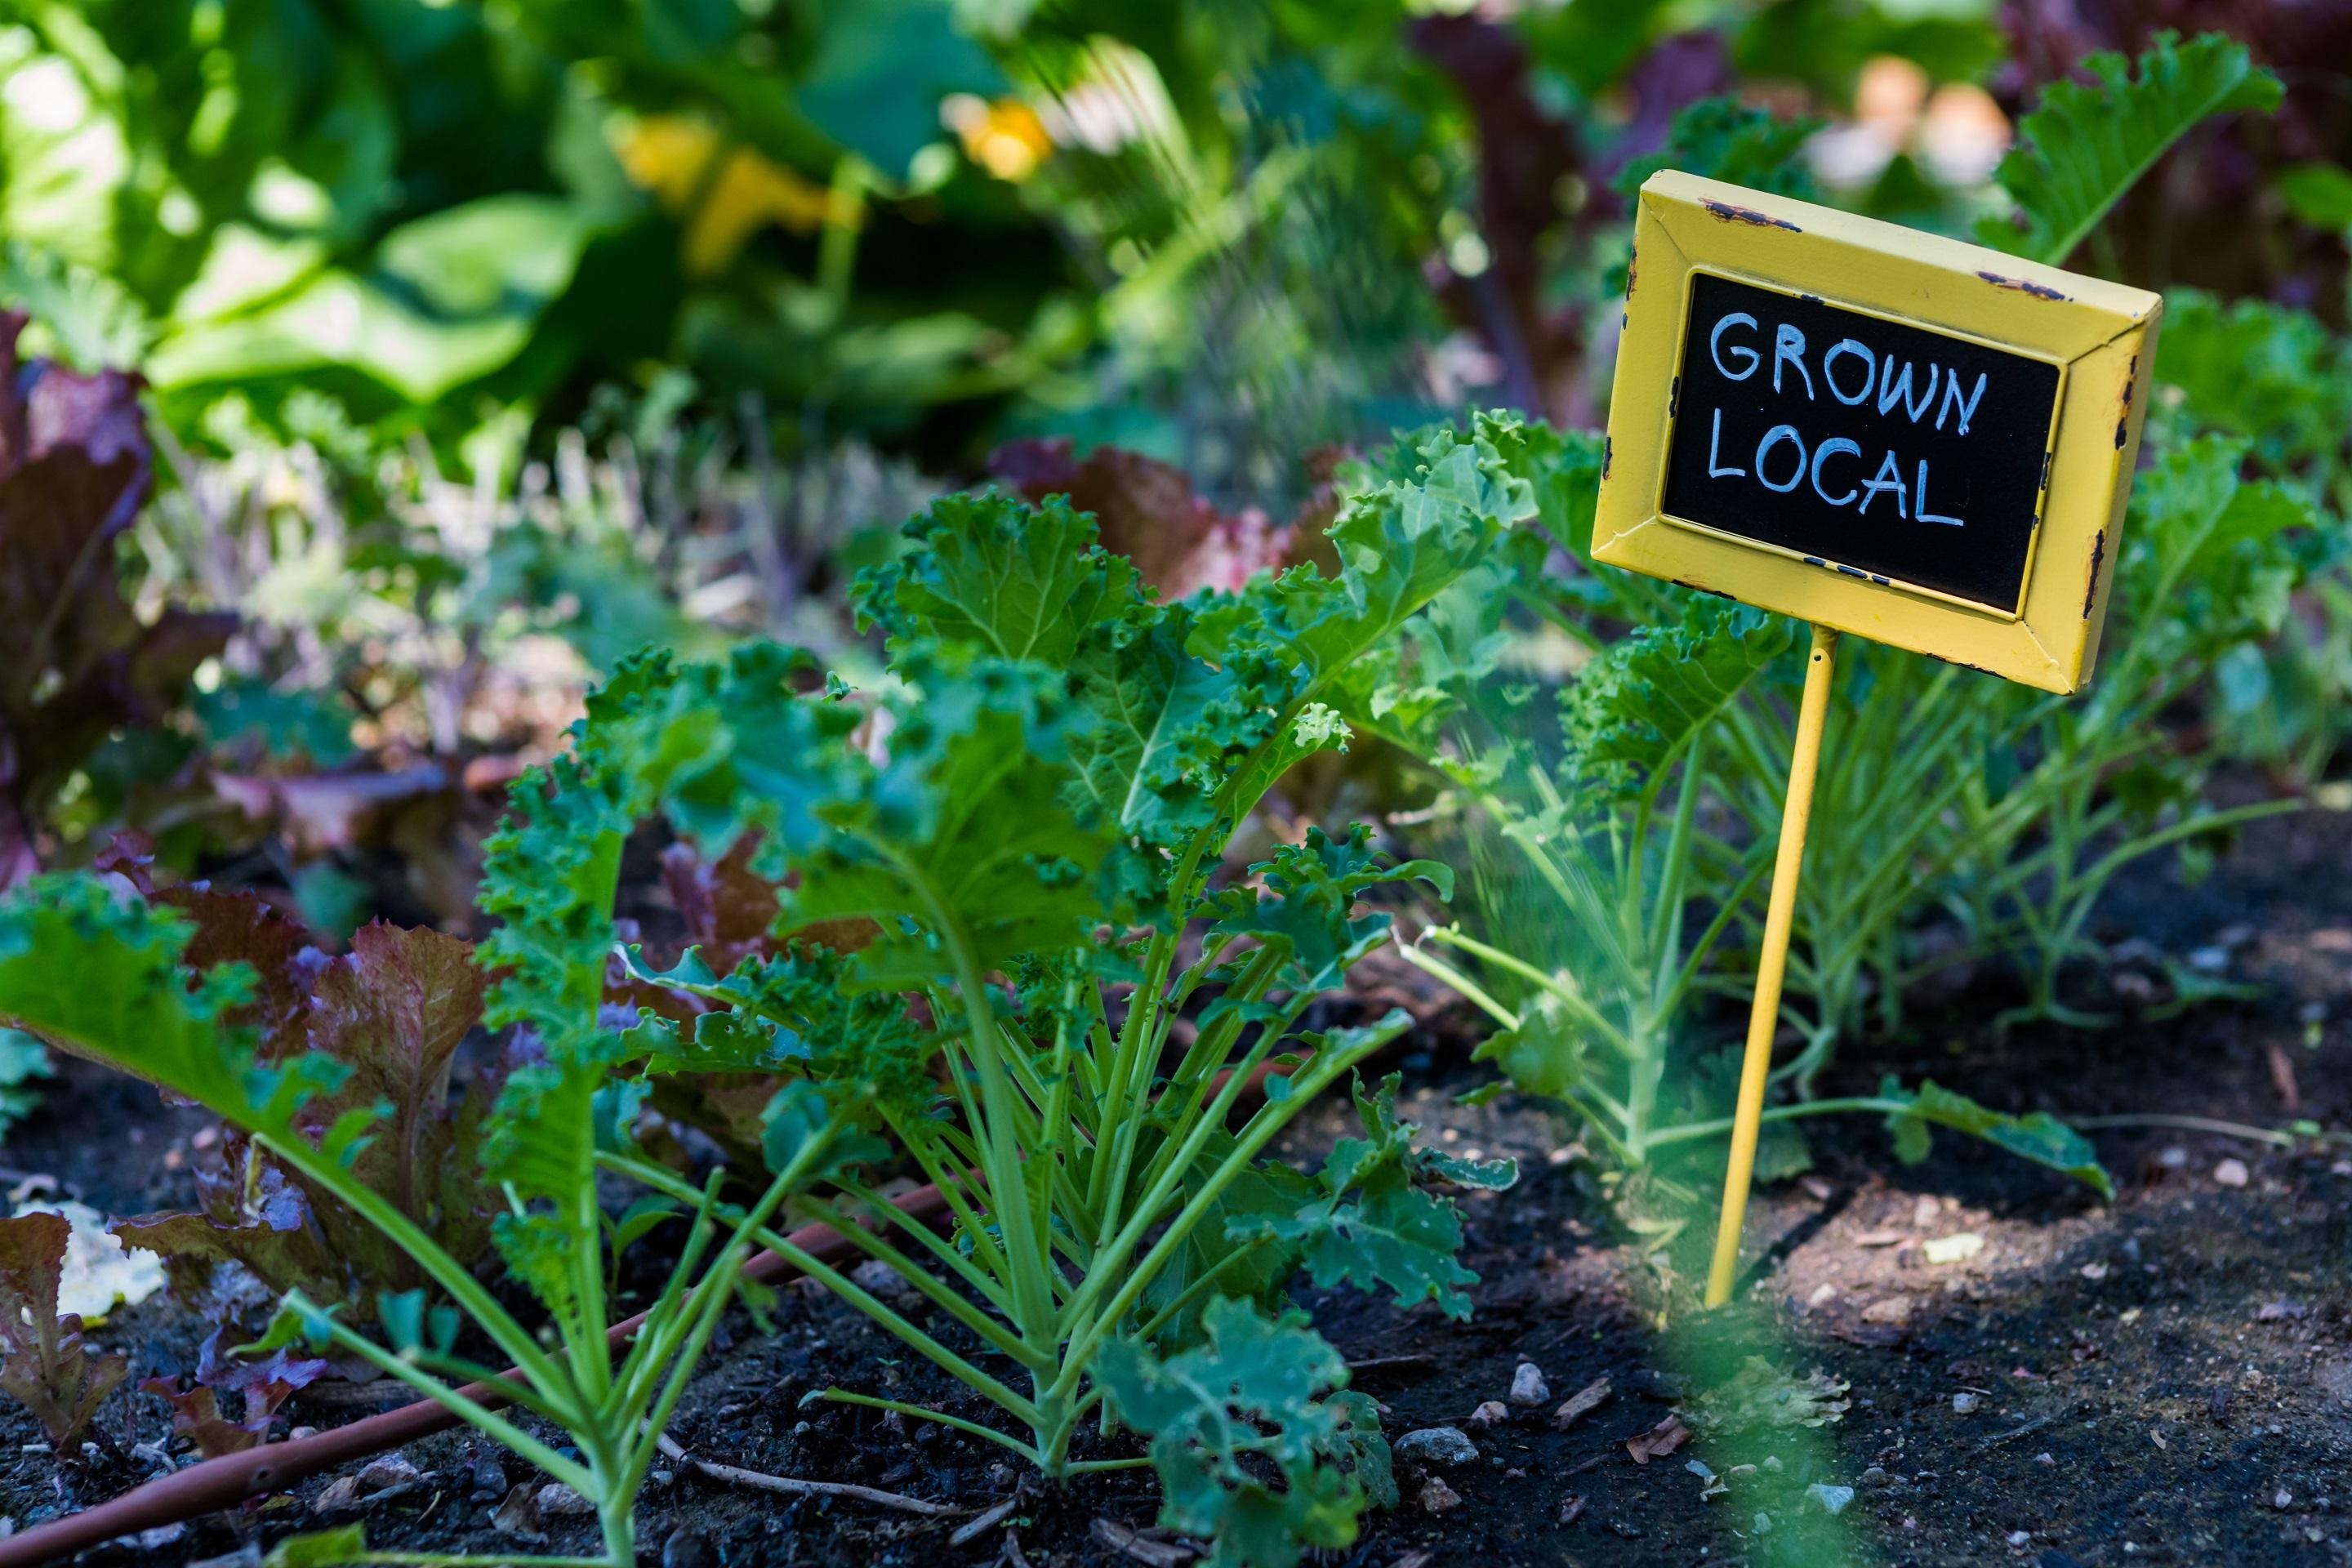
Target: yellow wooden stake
[{"x": 1771, "y": 965}]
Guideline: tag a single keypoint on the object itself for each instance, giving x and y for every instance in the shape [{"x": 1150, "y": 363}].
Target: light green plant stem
[
  {"x": 865, "y": 1302},
  {"x": 702, "y": 1310},
  {"x": 1130, "y": 1077},
  {"x": 1862, "y": 1105},
  {"x": 1163, "y": 1173},
  {"x": 2275, "y": 1139},
  {"x": 843, "y": 1397},
  {"x": 1027, "y": 1263},
  {"x": 489, "y": 1423},
  {"x": 1099, "y": 1321},
  {"x": 923, "y": 1236},
  {"x": 983, "y": 1326},
  {"x": 1475, "y": 994},
  {"x": 650, "y": 1348},
  {"x": 1597, "y": 1115},
  {"x": 1570, "y": 997}
]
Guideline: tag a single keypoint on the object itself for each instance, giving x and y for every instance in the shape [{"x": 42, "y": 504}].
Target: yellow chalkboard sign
[
  {"x": 1883, "y": 432},
  {"x": 1880, "y": 432}
]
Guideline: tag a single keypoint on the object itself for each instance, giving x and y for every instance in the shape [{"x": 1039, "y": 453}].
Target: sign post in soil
[{"x": 1879, "y": 431}]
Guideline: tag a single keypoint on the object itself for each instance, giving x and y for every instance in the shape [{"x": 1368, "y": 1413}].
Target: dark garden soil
[{"x": 2164, "y": 1379}]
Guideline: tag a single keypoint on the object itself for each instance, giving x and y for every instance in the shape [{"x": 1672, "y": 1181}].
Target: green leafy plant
[
  {"x": 1035, "y": 852},
  {"x": 2278, "y": 378},
  {"x": 2084, "y": 145},
  {"x": 1604, "y": 852},
  {"x": 2007, "y": 812},
  {"x": 1251, "y": 1388}
]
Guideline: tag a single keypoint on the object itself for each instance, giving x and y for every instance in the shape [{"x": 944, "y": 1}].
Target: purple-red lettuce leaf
[
  {"x": 45, "y": 1364},
  {"x": 77, "y": 664}
]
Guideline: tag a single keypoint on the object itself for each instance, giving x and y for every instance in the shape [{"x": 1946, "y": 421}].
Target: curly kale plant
[{"x": 1027, "y": 829}]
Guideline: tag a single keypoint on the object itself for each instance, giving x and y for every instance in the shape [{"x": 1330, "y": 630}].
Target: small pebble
[
  {"x": 684, "y": 1549},
  {"x": 1527, "y": 1385},
  {"x": 560, "y": 1501},
  {"x": 1438, "y": 1446},
  {"x": 1437, "y": 1497},
  {"x": 488, "y": 1478},
  {"x": 1833, "y": 1499},
  {"x": 382, "y": 1474},
  {"x": 2174, "y": 1158},
  {"x": 2020, "y": 1537},
  {"x": 2282, "y": 1499},
  {"x": 1965, "y": 1404},
  {"x": 881, "y": 1278},
  {"x": 2230, "y": 1172},
  {"x": 1490, "y": 1413}
]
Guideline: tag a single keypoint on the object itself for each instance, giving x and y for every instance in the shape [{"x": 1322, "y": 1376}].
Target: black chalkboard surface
[{"x": 1887, "y": 449}]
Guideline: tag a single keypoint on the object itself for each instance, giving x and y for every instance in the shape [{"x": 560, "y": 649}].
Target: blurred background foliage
[
  {"x": 484, "y": 342},
  {"x": 1223, "y": 232}
]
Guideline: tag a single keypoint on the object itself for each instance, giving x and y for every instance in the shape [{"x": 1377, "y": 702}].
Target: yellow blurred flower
[
  {"x": 669, "y": 156},
  {"x": 1005, "y": 138}
]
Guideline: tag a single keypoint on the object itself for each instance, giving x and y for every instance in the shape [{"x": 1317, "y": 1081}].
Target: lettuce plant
[
  {"x": 45, "y": 1365},
  {"x": 391, "y": 1015},
  {"x": 1027, "y": 826},
  {"x": 77, "y": 664}
]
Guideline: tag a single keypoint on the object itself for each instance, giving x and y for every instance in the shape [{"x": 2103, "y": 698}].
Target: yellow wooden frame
[{"x": 2102, "y": 336}]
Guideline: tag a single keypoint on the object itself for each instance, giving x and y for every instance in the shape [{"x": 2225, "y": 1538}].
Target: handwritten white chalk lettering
[{"x": 1856, "y": 376}]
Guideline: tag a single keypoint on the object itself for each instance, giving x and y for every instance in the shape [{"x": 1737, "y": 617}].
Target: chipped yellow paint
[{"x": 2101, "y": 334}]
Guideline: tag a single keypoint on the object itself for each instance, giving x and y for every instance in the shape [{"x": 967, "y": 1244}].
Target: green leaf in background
[
  {"x": 881, "y": 68},
  {"x": 23, "y": 1063},
  {"x": 2213, "y": 549},
  {"x": 79, "y": 316},
  {"x": 452, "y": 297},
  {"x": 2267, "y": 372},
  {"x": 1256, "y": 1394},
  {"x": 2083, "y": 147},
  {"x": 2318, "y": 193},
  {"x": 1545, "y": 1055},
  {"x": 320, "y": 1548},
  {"x": 2041, "y": 1137},
  {"x": 1724, "y": 139}
]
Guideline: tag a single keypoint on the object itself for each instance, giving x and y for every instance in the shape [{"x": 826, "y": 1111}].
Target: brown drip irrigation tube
[{"x": 224, "y": 1482}]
